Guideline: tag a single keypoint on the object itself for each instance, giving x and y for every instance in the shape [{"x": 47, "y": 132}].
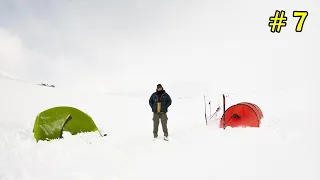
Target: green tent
[{"x": 51, "y": 123}]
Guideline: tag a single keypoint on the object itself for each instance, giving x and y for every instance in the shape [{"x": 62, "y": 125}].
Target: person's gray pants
[{"x": 164, "y": 121}]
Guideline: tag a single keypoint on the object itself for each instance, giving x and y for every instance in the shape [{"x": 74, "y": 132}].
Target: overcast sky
[{"x": 129, "y": 45}]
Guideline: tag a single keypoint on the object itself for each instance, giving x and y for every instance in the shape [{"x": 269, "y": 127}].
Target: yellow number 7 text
[{"x": 303, "y": 15}]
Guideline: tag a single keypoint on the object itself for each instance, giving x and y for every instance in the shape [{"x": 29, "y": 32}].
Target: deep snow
[{"x": 283, "y": 148}]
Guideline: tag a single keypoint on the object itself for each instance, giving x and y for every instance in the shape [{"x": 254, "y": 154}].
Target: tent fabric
[
  {"x": 242, "y": 115},
  {"x": 51, "y": 123}
]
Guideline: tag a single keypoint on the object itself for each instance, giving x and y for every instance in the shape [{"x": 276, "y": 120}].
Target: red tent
[{"x": 242, "y": 115}]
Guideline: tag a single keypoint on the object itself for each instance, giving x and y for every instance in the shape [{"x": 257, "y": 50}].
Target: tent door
[
  {"x": 67, "y": 120},
  {"x": 235, "y": 116}
]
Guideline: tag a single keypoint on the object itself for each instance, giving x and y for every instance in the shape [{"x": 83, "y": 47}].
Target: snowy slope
[{"x": 280, "y": 149}]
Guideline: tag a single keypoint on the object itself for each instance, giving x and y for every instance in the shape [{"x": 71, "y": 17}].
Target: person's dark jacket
[{"x": 162, "y": 97}]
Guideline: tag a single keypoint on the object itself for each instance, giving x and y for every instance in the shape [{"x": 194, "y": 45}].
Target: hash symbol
[{"x": 277, "y": 21}]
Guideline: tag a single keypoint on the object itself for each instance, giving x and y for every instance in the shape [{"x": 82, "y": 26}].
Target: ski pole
[
  {"x": 205, "y": 109},
  {"x": 224, "y": 111},
  {"x": 210, "y": 107}
]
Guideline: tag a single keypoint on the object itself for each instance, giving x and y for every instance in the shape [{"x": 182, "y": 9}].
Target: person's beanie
[{"x": 159, "y": 86}]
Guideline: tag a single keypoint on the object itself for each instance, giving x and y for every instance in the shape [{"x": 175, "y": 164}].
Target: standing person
[{"x": 159, "y": 102}]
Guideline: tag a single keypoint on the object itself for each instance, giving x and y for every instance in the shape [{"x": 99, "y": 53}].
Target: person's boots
[
  {"x": 166, "y": 138},
  {"x": 155, "y": 135}
]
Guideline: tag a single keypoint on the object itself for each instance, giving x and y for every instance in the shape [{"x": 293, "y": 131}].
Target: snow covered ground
[{"x": 282, "y": 148}]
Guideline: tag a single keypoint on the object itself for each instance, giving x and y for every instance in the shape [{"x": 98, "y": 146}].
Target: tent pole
[{"x": 224, "y": 110}]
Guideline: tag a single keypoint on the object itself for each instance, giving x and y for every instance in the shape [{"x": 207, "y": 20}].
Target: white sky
[{"x": 134, "y": 45}]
